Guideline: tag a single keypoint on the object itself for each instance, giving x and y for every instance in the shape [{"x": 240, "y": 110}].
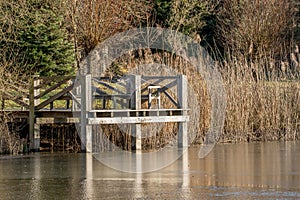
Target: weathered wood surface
[
  {"x": 136, "y": 104},
  {"x": 182, "y": 94},
  {"x": 136, "y": 120},
  {"x": 57, "y": 120},
  {"x": 44, "y": 91}
]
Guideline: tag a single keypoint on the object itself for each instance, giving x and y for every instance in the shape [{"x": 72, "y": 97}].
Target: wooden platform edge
[
  {"x": 136, "y": 120},
  {"x": 52, "y": 120}
]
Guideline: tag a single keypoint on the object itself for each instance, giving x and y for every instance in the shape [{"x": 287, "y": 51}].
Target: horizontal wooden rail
[
  {"x": 140, "y": 110},
  {"x": 50, "y": 89},
  {"x": 138, "y": 113},
  {"x": 159, "y": 77},
  {"x": 56, "y": 120},
  {"x": 109, "y": 86},
  {"x": 136, "y": 120}
]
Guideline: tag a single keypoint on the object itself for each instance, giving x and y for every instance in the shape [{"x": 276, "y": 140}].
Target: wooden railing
[
  {"x": 48, "y": 93},
  {"x": 40, "y": 93},
  {"x": 55, "y": 99}
]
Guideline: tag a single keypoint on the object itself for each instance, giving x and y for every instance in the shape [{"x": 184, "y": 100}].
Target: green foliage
[
  {"x": 296, "y": 21},
  {"x": 187, "y": 16},
  {"x": 190, "y": 17},
  {"x": 162, "y": 11},
  {"x": 37, "y": 38}
]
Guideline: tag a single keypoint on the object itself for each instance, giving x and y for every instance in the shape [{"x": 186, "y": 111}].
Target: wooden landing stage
[{"x": 90, "y": 101}]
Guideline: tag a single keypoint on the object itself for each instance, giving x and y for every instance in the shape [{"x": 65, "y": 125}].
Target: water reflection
[
  {"x": 89, "y": 189},
  {"x": 36, "y": 185},
  {"x": 275, "y": 165},
  {"x": 255, "y": 171},
  {"x": 138, "y": 162}
]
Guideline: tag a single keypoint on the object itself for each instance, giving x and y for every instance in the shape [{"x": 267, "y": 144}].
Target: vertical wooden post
[
  {"x": 182, "y": 94},
  {"x": 34, "y": 129},
  {"x": 77, "y": 91},
  {"x": 135, "y": 91},
  {"x": 31, "y": 117},
  {"x": 114, "y": 106},
  {"x": 2, "y": 101},
  {"x": 86, "y": 106}
]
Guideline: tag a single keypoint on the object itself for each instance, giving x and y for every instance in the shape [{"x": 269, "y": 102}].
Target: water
[{"x": 231, "y": 171}]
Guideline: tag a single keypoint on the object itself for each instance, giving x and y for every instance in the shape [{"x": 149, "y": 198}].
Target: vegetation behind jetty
[{"x": 255, "y": 45}]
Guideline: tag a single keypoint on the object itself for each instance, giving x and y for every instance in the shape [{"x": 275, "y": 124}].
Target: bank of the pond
[{"x": 66, "y": 139}]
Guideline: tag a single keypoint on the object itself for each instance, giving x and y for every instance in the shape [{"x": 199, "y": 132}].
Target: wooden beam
[
  {"x": 86, "y": 106},
  {"x": 136, "y": 120},
  {"x": 155, "y": 83},
  {"x": 110, "y": 96},
  {"x": 54, "y": 97},
  {"x": 56, "y": 120},
  {"x": 168, "y": 86},
  {"x": 75, "y": 99},
  {"x": 47, "y": 80},
  {"x": 159, "y": 77},
  {"x": 109, "y": 87},
  {"x": 2, "y": 102},
  {"x": 164, "y": 88},
  {"x": 182, "y": 94},
  {"x": 136, "y": 113},
  {"x": 50, "y": 89},
  {"x": 32, "y": 127},
  {"x": 55, "y": 113},
  {"x": 171, "y": 98},
  {"x": 99, "y": 91},
  {"x": 136, "y": 104},
  {"x": 137, "y": 110}
]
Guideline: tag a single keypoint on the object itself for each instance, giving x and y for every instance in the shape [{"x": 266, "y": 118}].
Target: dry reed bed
[
  {"x": 260, "y": 109},
  {"x": 257, "y": 110}
]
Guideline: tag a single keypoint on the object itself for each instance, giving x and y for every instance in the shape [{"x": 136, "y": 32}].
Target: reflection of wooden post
[
  {"x": 36, "y": 185},
  {"x": 86, "y": 106},
  {"x": 34, "y": 129},
  {"x": 138, "y": 190},
  {"x": 135, "y": 91},
  {"x": 89, "y": 189},
  {"x": 182, "y": 94},
  {"x": 185, "y": 168}
]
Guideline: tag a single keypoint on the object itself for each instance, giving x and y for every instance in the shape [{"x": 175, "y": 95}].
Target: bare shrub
[
  {"x": 12, "y": 87},
  {"x": 92, "y": 21},
  {"x": 256, "y": 28},
  {"x": 9, "y": 141}
]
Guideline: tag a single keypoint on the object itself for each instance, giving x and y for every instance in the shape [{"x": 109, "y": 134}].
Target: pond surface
[{"x": 230, "y": 171}]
